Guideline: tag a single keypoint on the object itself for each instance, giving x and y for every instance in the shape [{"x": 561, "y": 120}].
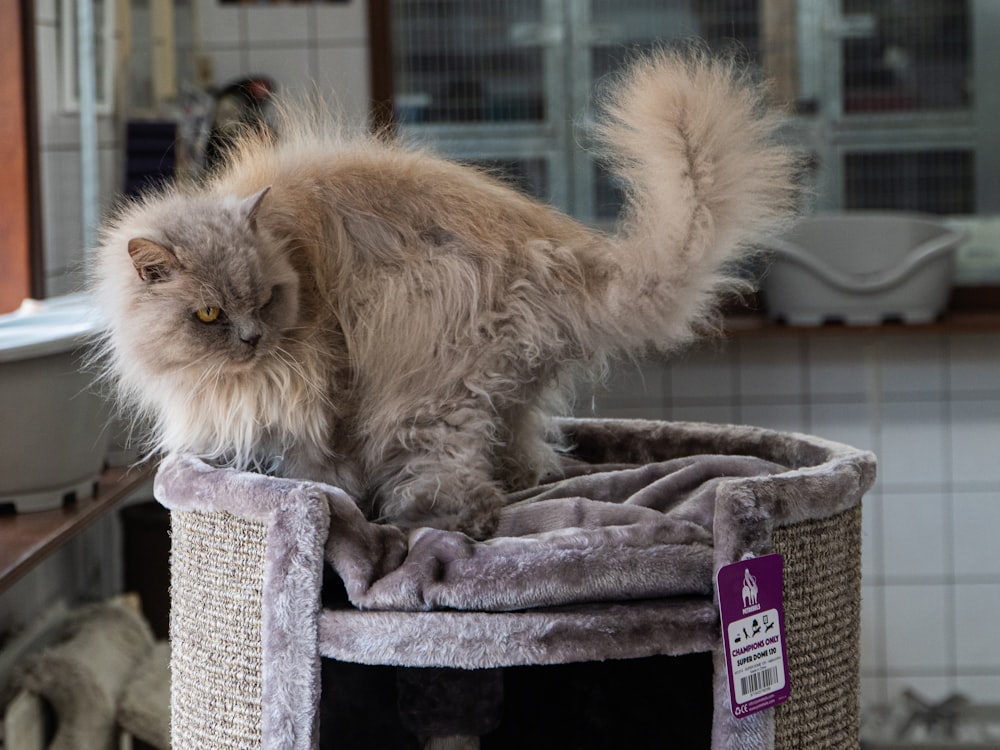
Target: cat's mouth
[{"x": 246, "y": 358}]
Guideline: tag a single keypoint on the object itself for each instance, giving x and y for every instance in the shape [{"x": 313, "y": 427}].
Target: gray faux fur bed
[{"x": 614, "y": 559}]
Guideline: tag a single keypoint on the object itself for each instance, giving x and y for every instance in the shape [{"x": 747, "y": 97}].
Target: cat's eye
[
  {"x": 208, "y": 314},
  {"x": 269, "y": 298}
]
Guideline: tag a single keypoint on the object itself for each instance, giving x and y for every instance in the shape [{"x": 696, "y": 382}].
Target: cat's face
[{"x": 211, "y": 296}]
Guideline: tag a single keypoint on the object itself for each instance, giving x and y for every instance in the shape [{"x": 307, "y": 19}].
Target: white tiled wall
[
  {"x": 929, "y": 406},
  {"x": 304, "y": 47},
  {"x": 59, "y": 161}
]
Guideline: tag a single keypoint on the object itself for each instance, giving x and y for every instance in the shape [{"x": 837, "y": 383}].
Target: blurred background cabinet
[{"x": 888, "y": 97}]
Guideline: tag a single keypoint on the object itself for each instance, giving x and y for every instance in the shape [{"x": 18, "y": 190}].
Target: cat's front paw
[
  {"x": 478, "y": 523},
  {"x": 475, "y": 514},
  {"x": 471, "y": 507}
]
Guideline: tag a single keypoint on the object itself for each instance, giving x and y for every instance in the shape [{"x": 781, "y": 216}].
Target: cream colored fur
[{"x": 439, "y": 317}]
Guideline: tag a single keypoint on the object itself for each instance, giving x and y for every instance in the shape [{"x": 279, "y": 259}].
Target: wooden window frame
[{"x": 21, "y": 270}]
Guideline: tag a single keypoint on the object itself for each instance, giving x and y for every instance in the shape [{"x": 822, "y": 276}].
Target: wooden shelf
[
  {"x": 954, "y": 322},
  {"x": 973, "y": 309},
  {"x": 28, "y": 538}
]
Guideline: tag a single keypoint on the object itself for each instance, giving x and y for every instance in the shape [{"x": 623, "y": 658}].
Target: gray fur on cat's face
[{"x": 211, "y": 292}]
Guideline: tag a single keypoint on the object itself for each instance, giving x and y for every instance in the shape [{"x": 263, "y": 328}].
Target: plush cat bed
[
  {"x": 614, "y": 560},
  {"x": 144, "y": 710},
  {"x": 89, "y": 676}
]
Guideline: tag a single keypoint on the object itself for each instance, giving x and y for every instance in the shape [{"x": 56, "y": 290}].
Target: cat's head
[{"x": 207, "y": 292}]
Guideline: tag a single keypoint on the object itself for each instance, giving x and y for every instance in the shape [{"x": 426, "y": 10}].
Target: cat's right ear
[
  {"x": 251, "y": 206},
  {"x": 152, "y": 261}
]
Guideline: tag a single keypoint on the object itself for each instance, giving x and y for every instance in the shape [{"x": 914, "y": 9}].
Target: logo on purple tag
[{"x": 753, "y": 628}]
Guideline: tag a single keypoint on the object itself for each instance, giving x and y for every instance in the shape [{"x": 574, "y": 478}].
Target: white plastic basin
[{"x": 53, "y": 436}]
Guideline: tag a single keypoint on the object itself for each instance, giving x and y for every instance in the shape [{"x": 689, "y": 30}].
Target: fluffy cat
[{"x": 344, "y": 309}]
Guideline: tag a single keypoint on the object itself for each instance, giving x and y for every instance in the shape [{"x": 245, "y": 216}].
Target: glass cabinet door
[
  {"x": 469, "y": 62},
  {"x": 896, "y": 105},
  {"x": 481, "y": 80},
  {"x": 912, "y": 57}
]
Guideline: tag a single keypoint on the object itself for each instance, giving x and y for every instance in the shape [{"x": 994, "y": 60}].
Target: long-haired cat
[{"x": 344, "y": 309}]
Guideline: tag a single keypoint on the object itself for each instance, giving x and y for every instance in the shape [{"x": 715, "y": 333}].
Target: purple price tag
[{"x": 753, "y": 629}]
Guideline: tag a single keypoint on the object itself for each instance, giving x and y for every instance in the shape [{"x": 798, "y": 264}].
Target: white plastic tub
[
  {"x": 53, "y": 435},
  {"x": 862, "y": 269}
]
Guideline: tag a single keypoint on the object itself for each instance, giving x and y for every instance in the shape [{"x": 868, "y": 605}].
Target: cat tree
[{"x": 615, "y": 561}]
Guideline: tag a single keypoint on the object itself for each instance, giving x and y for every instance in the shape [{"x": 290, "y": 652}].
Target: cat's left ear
[
  {"x": 152, "y": 261},
  {"x": 251, "y": 206}
]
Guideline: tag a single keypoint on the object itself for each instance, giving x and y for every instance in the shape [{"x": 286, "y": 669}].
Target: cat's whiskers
[
  {"x": 316, "y": 389},
  {"x": 201, "y": 385},
  {"x": 195, "y": 362},
  {"x": 307, "y": 346}
]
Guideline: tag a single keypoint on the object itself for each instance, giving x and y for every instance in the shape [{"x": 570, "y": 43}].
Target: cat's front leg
[{"x": 441, "y": 474}]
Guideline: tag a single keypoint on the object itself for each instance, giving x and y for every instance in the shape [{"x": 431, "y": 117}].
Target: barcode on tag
[{"x": 755, "y": 683}]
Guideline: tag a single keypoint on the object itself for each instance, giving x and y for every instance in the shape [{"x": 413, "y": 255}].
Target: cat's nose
[{"x": 250, "y": 338}]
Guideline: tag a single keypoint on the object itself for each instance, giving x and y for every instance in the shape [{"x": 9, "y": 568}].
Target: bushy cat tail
[{"x": 706, "y": 180}]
